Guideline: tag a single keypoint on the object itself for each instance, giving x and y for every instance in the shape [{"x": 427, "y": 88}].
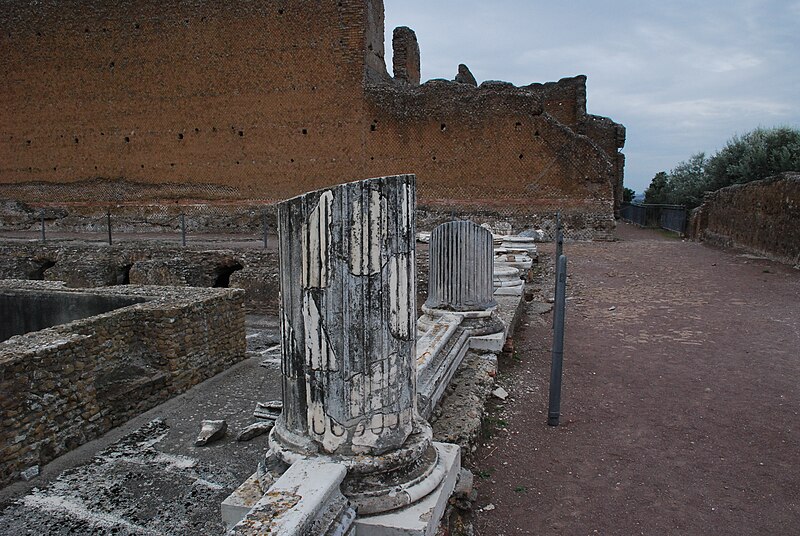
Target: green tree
[
  {"x": 756, "y": 155},
  {"x": 688, "y": 182},
  {"x": 627, "y": 195},
  {"x": 656, "y": 192}
]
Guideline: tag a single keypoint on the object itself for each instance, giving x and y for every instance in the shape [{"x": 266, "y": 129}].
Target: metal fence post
[
  {"x": 108, "y": 220},
  {"x": 41, "y": 215},
  {"x": 556, "y": 365},
  {"x": 183, "y": 229}
]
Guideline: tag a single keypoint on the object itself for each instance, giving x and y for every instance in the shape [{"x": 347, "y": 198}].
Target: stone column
[
  {"x": 461, "y": 263},
  {"x": 459, "y": 309},
  {"x": 348, "y": 287}
]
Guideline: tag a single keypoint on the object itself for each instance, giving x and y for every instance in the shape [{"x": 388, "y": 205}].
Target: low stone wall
[
  {"x": 65, "y": 385},
  {"x": 762, "y": 217},
  {"x": 146, "y": 263}
]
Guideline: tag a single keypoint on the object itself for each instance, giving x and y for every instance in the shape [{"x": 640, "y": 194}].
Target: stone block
[{"x": 304, "y": 500}]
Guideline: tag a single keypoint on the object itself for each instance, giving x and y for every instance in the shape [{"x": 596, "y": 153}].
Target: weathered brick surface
[
  {"x": 762, "y": 217},
  {"x": 265, "y": 100},
  {"x": 63, "y": 386}
]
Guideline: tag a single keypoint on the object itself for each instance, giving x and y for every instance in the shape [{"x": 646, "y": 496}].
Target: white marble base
[
  {"x": 237, "y": 504},
  {"x": 488, "y": 343},
  {"x": 304, "y": 498},
  {"x": 421, "y": 518}
]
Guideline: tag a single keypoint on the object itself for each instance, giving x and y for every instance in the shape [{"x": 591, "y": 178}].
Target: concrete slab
[{"x": 421, "y": 518}]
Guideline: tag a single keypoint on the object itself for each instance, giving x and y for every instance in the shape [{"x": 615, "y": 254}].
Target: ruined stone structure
[
  {"x": 762, "y": 217},
  {"x": 87, "y": 265},
  {"x": 461, "y": 259},
  {"x": 80, "y": 375},
  {"x": 348, "y": 325},
  {"x": 263, "y": 100}
]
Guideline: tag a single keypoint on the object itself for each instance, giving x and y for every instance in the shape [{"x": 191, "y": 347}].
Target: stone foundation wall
[
  {"x": 63, "y": 386},
  {"x": 762, "y": 217},
  {"x": 147, "y": 263}
]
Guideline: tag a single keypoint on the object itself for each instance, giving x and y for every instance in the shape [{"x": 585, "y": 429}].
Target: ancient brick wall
[
  {"x": 244, "y": 94},
  {"x": 258, "y": 100},
  {"x": 762, "y": 217},
  {"x": 66, "y": 385}
]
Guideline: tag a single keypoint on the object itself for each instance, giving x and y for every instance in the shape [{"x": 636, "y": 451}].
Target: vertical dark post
[
  {"x": 41, "y": 214},
  {"x": 183, "y": 229},
  {"x": 559, "y": 238},
  {"x": 554, "y": 408},
  {"x": 264, "y": 226},
  {"x": 108, "y": 220},
  {"x": 559, "y": 253}
]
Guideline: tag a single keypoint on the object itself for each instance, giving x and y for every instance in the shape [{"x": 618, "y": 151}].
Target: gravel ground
[{"x": 681, "y": 399}]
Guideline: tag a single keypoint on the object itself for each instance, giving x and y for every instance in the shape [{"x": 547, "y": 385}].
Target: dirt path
[{"x": 681, "y": 400}]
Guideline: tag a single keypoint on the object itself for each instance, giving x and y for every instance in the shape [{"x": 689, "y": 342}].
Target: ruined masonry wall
[
  {"x": 491, "y": 144},
  {"x": 82, "y": 265},
  {"x": 257, "y": 100},
  {"x": 258, "y": 96},
  {"x": 762, "y": 217},
  {"x": 66, "y": 385}
]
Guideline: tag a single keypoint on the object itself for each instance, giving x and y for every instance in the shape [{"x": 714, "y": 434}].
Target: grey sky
[{"x": 682, "y": 76}]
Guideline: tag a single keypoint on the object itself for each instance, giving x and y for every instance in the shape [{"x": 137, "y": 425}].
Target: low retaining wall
[
  {"x": 65, "y": 385},
  {"x": 762, "y": 217},
  {"x": 147, "y": 263}
]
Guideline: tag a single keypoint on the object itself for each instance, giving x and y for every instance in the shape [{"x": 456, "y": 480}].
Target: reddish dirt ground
[{"x": 681, "y": 399}]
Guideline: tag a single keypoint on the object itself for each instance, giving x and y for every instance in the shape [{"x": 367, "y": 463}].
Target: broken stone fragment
[
  {"x": 255, "y": 430},
  {"x": 536, "y": 234},
  {"x": 464, "y": 76},
  {"x": 30, "y": 473},
  {"x": 268, "y": 410},
  {"x": 463, "y": 489},
  {"x": 211, "y": 431},
  {"x": 500, "y": 393}
]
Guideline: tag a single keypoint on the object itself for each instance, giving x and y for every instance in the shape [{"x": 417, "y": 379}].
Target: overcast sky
[{"x": 682, "y": 76}]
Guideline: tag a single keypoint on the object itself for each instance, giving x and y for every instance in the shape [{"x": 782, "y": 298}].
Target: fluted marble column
[
  {"x": 461, "y": 263},
  {"x": 348, "y": 287}
]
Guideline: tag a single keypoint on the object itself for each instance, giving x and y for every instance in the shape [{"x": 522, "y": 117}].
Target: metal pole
[
  {"x": 42, "y": 217},
  {"x": 108, "y": 219},
  {"x": 559, "y": 237},
  {"x": 264, "y": 226},
  {"x": 554, "y": 408},
  {"x": 559, "y": 253},
  {"x": 183, "y": 229}
]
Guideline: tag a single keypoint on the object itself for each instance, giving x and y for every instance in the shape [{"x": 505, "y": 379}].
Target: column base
[
  {"x": 375, "y": 483},
  {"x": 423, "y": 517}
]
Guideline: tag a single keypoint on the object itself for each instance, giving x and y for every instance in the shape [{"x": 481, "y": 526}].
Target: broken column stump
[
  {"x": 459, "y": 313},
  {"x": 348, "y": 333},
  {"x": 461, "y": 263}
]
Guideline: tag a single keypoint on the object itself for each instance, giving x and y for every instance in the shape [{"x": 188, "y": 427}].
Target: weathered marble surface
[
  {"x": 347, "y": 288},
  {"x": 461, "y": 262}
]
